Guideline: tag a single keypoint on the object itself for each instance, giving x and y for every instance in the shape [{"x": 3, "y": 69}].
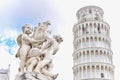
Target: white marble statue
[
  {"x": 36, "y": 50},
  {"x": 49, "y": 48},
  {"x": 24, "y": 41}
]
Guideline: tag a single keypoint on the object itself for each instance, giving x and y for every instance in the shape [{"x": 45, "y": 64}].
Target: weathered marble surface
[
  {"x": 36, "y": 50},
  {"x": 31, "y": 76}
]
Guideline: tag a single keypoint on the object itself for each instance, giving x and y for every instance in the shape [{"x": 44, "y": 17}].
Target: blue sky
[
  {"x": 62, "y": 15},
  {"x": 15, "y": 13}
]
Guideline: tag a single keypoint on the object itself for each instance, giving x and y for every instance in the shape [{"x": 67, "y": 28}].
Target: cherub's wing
[{"x": 19, "y": 42}]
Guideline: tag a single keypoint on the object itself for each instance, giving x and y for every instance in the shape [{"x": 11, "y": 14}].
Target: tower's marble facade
[{"x": 92, "y": 46}]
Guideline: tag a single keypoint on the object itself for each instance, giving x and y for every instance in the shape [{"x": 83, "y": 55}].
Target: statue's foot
[{"x": 55, "y": 76}]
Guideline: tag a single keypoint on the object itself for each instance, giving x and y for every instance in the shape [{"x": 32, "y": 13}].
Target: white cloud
[
  {"x": 4, "y": 56},
  {"x": 10, "y": 33},
  {"x": 8, "y": 47},
  {"x": 6, "y": 59}
]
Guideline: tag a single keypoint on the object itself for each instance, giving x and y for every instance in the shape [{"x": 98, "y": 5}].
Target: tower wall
[{"x": 92, "y": 46}]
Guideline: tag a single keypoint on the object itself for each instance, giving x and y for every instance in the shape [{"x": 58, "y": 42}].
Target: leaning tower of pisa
[{"x": 92, "y": 54}]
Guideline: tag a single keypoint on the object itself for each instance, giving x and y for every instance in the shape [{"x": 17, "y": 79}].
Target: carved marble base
[{"x": 31, "y": 76}]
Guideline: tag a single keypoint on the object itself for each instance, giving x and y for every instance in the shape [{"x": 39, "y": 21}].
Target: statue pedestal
[{"x": 31, "y": 76}]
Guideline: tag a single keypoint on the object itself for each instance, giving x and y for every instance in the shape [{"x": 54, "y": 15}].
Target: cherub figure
[
  {"x": 49, "y": 48},
  {"x": 36, "y": 50},
  {"x": 24, "y": 41},
  {"x": 42, "y": 33},
  {"x": 32, "y": 62}
]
